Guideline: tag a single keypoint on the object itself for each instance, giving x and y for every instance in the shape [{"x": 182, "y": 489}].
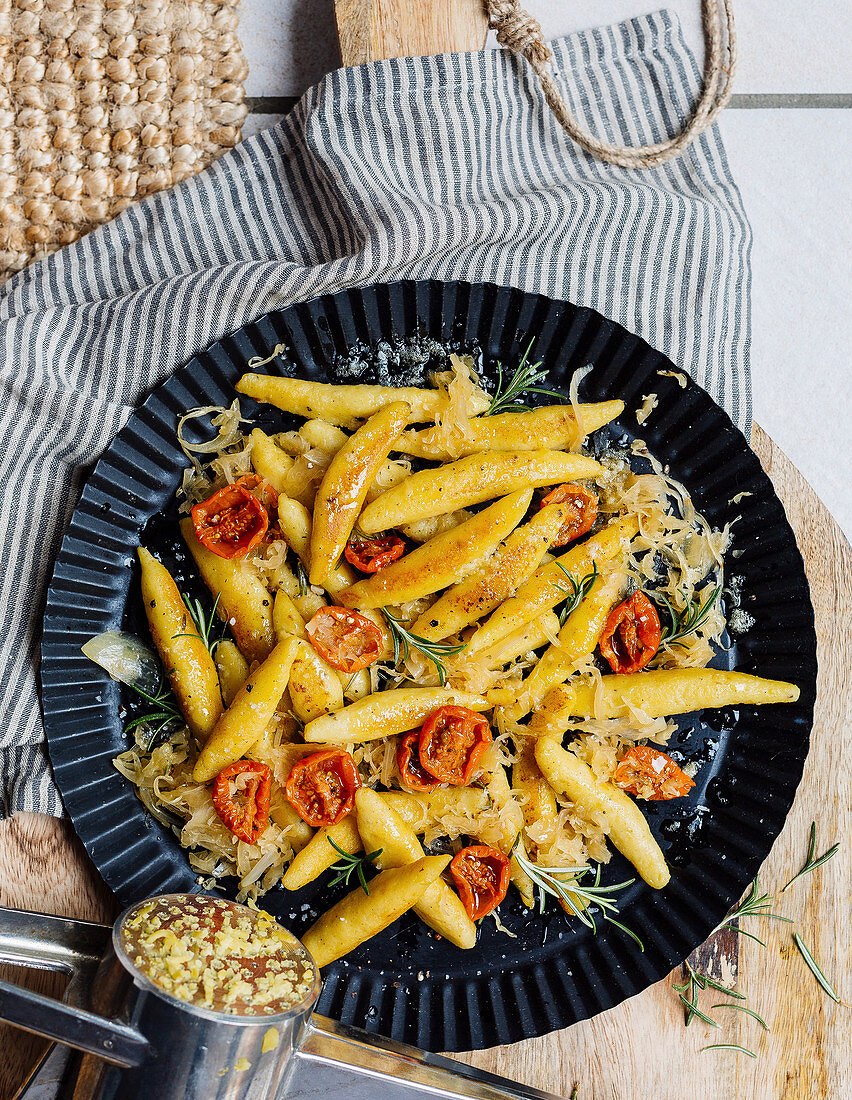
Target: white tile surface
[
  {"x": 290, "y": 44},
  {"x": 784, "y": 47},
  {"x": 793, "y": 170},
  {"x": 792, "y": 166}
]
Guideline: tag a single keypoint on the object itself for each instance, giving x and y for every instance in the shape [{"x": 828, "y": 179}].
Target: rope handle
[{"x": 522, "y": 34}]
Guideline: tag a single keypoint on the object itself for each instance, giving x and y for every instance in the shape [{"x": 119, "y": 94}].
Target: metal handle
[
  {"x": 50, "y": 943},
  {"x": 74, "y": 947},
  {"x": 82, "y": 1030},
  {"x": 339, "y": 1062}
]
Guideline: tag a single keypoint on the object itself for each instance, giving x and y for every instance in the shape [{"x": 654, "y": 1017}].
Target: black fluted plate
[{"x": 407, "y": 983}]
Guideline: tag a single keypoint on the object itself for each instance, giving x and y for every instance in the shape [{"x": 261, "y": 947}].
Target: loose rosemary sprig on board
[
  {"x": 352, "y": 863},
  {"x": 754, "y": 904},
  {"x": 686, "y": 622},
  {"x": 811, "y": 863},
  {"x": 564, "y": 884},
  {"x": 404, "y": 641},
  {"x": 203, "y": 623},
  {"x": 577, "y": 590},
  {"x": 526, "y": 379}
]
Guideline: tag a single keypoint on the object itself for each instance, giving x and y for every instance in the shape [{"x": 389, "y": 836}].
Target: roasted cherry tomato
[
  {"x": 322, "y": 786},
  {"x": 452, "y": 739},
  {"x": 371, "y": 555},
  {"x": 233, "y": 520},
  {"x": 241, "y": 794},
  {"x": 632, "y": 634},
  {"x": 414, "y": 775},
  {"x": 583, "y": 505},
  {"x": 347, "y": 640},
  {"x": 648, "y": 773},
  {"x": 481, "y": 875}
]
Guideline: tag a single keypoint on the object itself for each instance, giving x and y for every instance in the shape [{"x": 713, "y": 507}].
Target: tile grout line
[{"x": 280, "y": 105}]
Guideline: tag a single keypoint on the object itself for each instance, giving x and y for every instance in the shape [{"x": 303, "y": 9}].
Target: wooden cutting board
[{"x": 641, "y": 1048}]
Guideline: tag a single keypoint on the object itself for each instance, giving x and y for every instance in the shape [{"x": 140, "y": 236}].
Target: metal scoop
[{"x": 123, "y": 1037}]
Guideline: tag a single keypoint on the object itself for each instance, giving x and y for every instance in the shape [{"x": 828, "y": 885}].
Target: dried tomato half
[
  {"x": 346, "y": 639},
  {"x": 481, "y": 875},
  {"x": 583, "y": 510},
  {"x": 632, "y": 634},
  {"x": 648, "y": 773},
  {"x": 452, "y": 739},
  {"x": 241, "y": 794},
  {"x": 371, "y": 555},
  {"x": 233, "y": 520},
  {"x": 414, "y": 775},
  {"x": 322, "y": 786}
]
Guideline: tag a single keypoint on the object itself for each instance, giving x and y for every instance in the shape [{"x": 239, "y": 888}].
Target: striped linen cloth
[{"x": 441, "y": 167}]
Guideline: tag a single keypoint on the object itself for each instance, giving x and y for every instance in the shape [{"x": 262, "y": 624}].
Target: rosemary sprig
[
  {"x": 811, "y": 864},
  {"x": 742, "y": 1008},
  {"x": 814, "y": 967},
  {"x": 564, "y": 884},
  {"x": 404, "y": 641},
  {"x": 165, "y": 713},
  {"x": 754, "y": 904},
  {"x": 352, "y": 863},
  {"x": 526, "y": 379},
  {"x": 203, "y": 623},
  {"x": 577, "y": 590},
  {"x": 686, "y": 622},
  {"x": 730, "y": 1046}
]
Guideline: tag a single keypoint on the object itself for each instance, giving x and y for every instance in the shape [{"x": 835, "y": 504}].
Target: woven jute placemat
[{"x": 103, "y": 102}]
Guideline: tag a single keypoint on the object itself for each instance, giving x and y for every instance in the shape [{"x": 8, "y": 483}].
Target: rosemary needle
[
  {"x": 730, "y": 1046},
  {"x": 694, "y": 1010},
  {"x": 814, "y": 967},
  {"x": 747, "y": 1011}
]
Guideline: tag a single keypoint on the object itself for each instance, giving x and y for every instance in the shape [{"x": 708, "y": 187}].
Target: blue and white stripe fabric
[{"x": 440, "y": 167}]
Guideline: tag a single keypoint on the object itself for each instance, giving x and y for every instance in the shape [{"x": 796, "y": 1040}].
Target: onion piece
[{"x": 127, "y": 660}]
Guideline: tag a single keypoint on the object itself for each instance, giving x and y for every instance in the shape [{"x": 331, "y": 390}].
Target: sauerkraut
[{"x": 676, "y": 555}]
